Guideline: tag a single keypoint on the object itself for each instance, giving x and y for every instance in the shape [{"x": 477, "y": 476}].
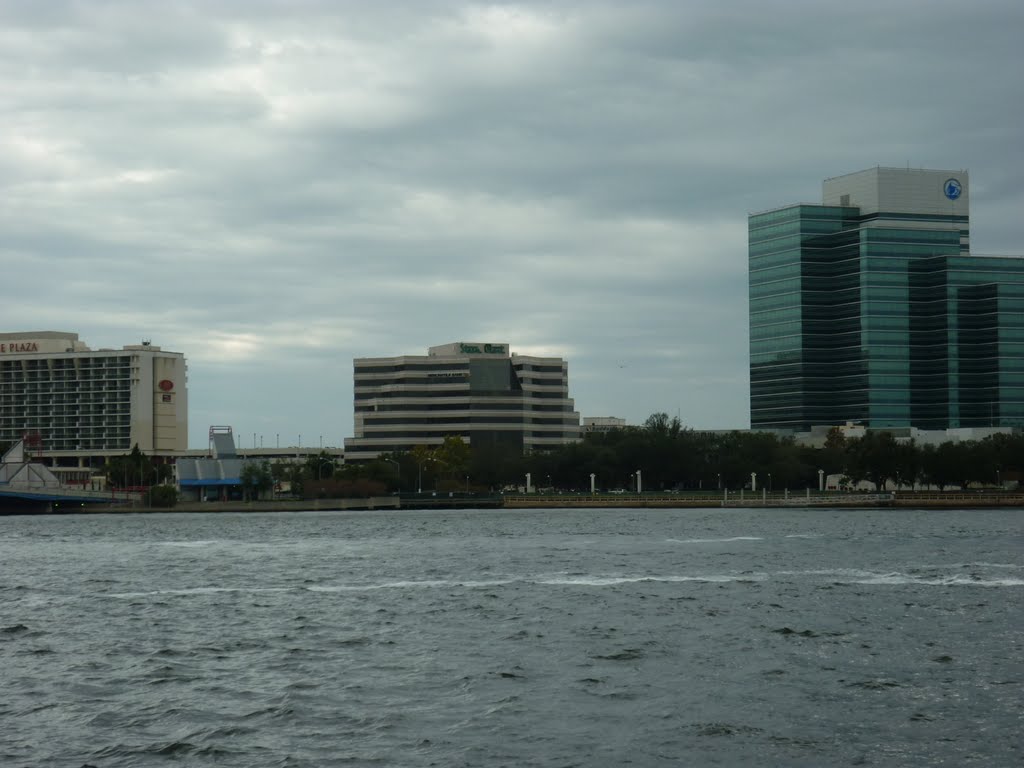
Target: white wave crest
[
  {"x": 951, "y": 581},
  {"x": 1011, "y": 566},
  {"x": 408, "y": 585},
  {"x": 186, "y": 543},
  {"x": 715, "y": 541},
  {"x": 196, "y": 591},
  {"x": 604, "y": 581},
  {"x": 837, "y": 573}
]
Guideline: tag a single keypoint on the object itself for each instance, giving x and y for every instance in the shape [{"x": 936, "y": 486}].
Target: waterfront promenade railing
[{"x": 762, "y": 499}]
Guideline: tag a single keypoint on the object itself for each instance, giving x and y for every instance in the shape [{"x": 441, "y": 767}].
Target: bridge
[
  {"x": 27, "y": 486},
  {"x": 23, "y": 499}
]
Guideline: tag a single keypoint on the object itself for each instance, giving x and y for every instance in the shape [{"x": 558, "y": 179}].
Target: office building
[
  {"x": 479, "y": 392},
  {"x": 76, "y": 406},
  {"x": 869, "y": 308}
]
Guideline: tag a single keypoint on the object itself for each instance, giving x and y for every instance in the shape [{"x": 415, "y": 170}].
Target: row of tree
[
  {"x": 666, "y": 455},
  {"x": 135, "y": 470},
  {"x": 669, "y": 456}
]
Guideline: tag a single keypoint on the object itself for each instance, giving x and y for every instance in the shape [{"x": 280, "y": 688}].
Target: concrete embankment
[
  {"x": 904, "y": 500},
  {"x": 272, "y": 505}
]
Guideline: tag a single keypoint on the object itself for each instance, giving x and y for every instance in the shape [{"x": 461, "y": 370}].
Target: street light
[
  {"x": 398, "y": 468},
  {"x": 821, "y": 480},
  {"x": 769, "y": 482},
  {"x": 419, "y": 472},
  {"x": 639, "y": 483}
]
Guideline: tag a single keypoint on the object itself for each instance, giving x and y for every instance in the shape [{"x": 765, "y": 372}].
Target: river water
[{"x": 533, "y": 638}]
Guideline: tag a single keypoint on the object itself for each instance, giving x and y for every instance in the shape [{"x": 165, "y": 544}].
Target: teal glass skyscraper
[{"x": 870, "y": 308}]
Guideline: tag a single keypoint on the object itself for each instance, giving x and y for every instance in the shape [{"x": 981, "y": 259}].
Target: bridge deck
[{"x": 69, "y": 495}]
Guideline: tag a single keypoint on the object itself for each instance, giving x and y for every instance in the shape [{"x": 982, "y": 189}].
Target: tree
[
  {"x": 256, "y": 478},
  {"x": 873, "y": 458},
  {"x": 835, "y": 439},
  {"x": 971, "y": 466},
  {"x": 454, "y": 455},
  {"x": 1002, "y": 456},
  {"x": 907, "y": 464},
  {"x": 936, "y": 468},
  {"x": 387, "y": 470},
  {"x": 163, "y": 496},
  {"x": 292, "y": 473},
  {"x": 660, "y": 424},
  {"x": 322, "y": 466},
  {"x": 496, "y": 464},
  {"x": 832, "y": 459},
  {"x": 133, "y": 469},
  {"x": 422, "y": 456}
]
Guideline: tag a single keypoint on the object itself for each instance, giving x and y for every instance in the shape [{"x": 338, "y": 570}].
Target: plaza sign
[
  {"x": 486, "y": 349},
  {"x": 19, "y": 346}
]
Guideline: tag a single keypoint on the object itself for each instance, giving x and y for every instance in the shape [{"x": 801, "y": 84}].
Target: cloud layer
[{"x": 275, "y": 188}]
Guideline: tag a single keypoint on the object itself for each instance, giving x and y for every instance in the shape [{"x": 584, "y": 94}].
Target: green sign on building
[{"x": 488, "y": 349}]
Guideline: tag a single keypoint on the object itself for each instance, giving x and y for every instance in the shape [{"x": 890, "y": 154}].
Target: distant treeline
[
  {"x": 672, "y": 457},
  {"x": 667, "y": 455}
]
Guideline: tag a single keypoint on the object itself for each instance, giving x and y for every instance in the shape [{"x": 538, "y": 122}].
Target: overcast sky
[{"x": 276, "y": 188}]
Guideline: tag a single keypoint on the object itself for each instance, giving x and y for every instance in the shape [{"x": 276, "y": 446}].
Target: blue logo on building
[{"x": 952, "y": 189}]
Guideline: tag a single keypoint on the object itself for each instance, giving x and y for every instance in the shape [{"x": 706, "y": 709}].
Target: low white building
[
  {"x": 818, "y": 435},
  {"x": 602, "y": 423}
]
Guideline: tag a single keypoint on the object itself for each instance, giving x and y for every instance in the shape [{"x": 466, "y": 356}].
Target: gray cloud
[{"x": 275, "y": 188}]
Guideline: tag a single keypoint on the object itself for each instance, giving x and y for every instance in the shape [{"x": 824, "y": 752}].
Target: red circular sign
[{"x": 166, "y": 385}]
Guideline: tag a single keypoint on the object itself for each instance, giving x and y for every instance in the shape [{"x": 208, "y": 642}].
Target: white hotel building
[
  {"x": 479, "y": 392},
  {"x": 79, "y": 406}
]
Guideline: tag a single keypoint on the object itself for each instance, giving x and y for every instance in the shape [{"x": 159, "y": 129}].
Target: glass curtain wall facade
[
  {"x": 881, "y": 318},
  {"x": 804, "y": 316},
  {"x": 986, "y": 340}
]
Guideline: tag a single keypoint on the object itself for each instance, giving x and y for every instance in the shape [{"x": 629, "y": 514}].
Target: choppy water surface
[{"x": 547, "y": 638}]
